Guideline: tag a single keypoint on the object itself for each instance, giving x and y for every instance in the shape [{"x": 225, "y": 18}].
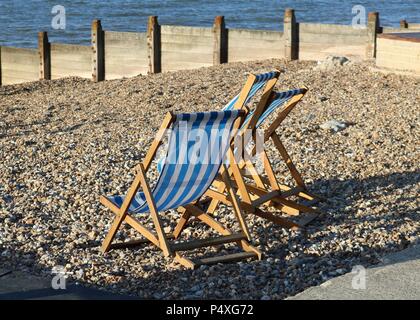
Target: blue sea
[{"x": 20, "y": 20}]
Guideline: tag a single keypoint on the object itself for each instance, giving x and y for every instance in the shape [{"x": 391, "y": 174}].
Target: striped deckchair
[
  {"x": 184, "y": 179},
  {"x": 266, "y": 190}
]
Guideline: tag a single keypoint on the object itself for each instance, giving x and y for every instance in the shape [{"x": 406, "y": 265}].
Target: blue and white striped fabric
[
  {"x": 278, "y": 100},
  {"x": 260, "y": 81},
  {"x": 197, "y": 145}
]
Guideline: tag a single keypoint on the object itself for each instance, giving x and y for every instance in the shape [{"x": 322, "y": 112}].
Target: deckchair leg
[
  {"x": 107, "y": 243},
  {"x": 184, "y": 261},
  {"x": 153, "y": 212},
  {"x": 112, "y": 232},
  {"x": 270, "y": 172},
  {"x": 120, "y": 212},
  {"x": 181, "y": 223},
  {"x": 294, "y": 205},
  {"x": 239, "y": 180},
  {"x": 290, "y": 165},
  {"x": 277, "y": 220},
  {"x": 225, "y": 183},
  {"x": 254, "y": 173},
  {"x": 205, "y": 218},
  {"x": 149, "y": 237},
  {"x": 222, "y": 185},
  {"x": 236, "y": 207},
  {"x": 214, "y": 202}
]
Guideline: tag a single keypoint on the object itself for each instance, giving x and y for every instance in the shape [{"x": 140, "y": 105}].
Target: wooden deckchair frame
[
  {"x": 270, "y": 133},
  {"x": 257, "y": 194},
  {"x": 158, "y": 237},
  {"x": 277, "y": 196},
  {"x": 161, "y": 240}
]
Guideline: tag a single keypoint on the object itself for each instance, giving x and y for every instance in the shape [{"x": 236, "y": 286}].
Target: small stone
[
  {"x": 92, "y": 235},
  {"x": 340, "y": 271},
  {"x": 332, "y": 62},
  {"x": 334, "y": 125},
  {"x": 30, "y": 143}
]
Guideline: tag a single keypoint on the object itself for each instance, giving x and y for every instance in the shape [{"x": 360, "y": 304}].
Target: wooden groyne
[{"x": 113, "y": 55}]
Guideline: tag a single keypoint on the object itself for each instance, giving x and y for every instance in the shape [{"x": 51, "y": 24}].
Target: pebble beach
[{"x": 63, "y": 143}]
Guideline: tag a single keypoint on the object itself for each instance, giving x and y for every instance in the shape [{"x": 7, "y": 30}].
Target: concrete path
[
  {"x": 397, "y": 278},
  {"x": 18, "y": 286}
]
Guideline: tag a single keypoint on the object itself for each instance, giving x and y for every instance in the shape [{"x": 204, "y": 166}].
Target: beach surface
[{"x": 65, "y": 142}]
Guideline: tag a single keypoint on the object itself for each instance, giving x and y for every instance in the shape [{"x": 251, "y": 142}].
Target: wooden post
[
  {"x": 220, "y": 38},
  {"x": 44, "y": 56},
  {"x": 403, "y": 24},
  {"x": 153, "y": 45},
  {"x": 98, "y": 52},
  {"x": 372, "y": 30},
  {"x": 290, "y": 35}
]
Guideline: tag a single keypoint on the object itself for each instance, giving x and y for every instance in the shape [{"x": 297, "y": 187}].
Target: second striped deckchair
[
  {"x": 197, "y": 145},
  {"x": 265, "y": 189},
  {"x": 285, "y": 101}
]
